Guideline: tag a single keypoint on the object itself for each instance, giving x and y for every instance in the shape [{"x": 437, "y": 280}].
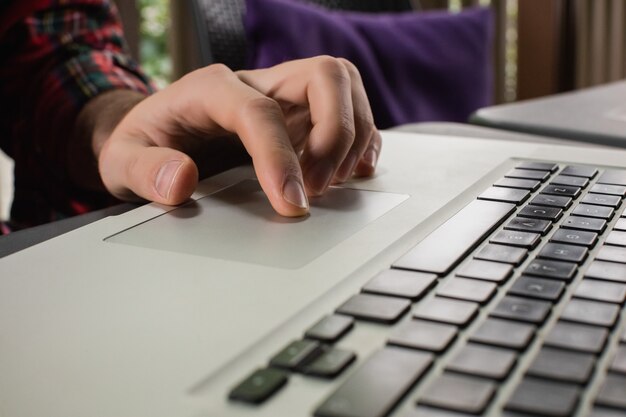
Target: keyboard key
[
  {"x": 505, "y": 195},
  {"x": 530, "y": 397},
  {"x": 620, "y": 225},
  {"x": 483, "y": 361},
  {"x": 616, "y": 238},
  {"x": 578, "y": 337},
  {"x": 528, "y": 174},
  {"x": 544, "y": 289},
  {"x": 459, "y": 393},
  {"x": 618, "y": 364},
  {"x": 514, "y": 238},
  {"x": 602, "y": 200},
  {"x": 467, "y": 289},
  {"x": 551, "y": 201},
  {"x": 522, "y": 224},
  {"x": 596, "y": 212},
  {"x": 618, "y": 190},
  {"x": 330, "y": 364},
  {"x": 561, "y": 190},
  {"x": 612, "y": 254},
  {"x": 502, "y": 253},
  {"x": 485, "y": 270},
  {"x": 259, "y": 386},
  {"x": 330, "y": 328},
  {"x": 445, "y": 310},
  {"x": 563, "y": 252},
  {"x": 612, "y": 391},
  {"x": 504, "y": 333},
  {"x": 579, "y": 171},
  {"x": 539, "y": 212},
  {"x": 399, "y": 283},
  {"x": 575, "y": 237},
  {"x": 584, "y": 223},
  {"x": 613, "y": 176},
  {"x": 571, "y": 181},
  {"x": 378, "y": 385},
  {"x": 551, "y": 269},
  {"x": 522, "y": 309},
  {"x": 531, "y": 185},
  {"x": 375, "y": 308},
  {"x": 563, "y": 365},
  {"x": 445, "y": 247},
  {"x": 539, "y": 166},
  {"x": 436, "y": 412},
  {"x": 297, "y": 354},
  {"x": 599, "y": 412},
  {"x": 608, "y": 292},
  {"x": 591, "y": 312},
  {"x": 424, "y": 335},
  {"x": 607, "y": 271}
]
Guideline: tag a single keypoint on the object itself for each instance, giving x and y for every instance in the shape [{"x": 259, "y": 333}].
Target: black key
[
  {"x": 591, "y": 312},
  {"x": 375, "y": 307},
  {"x": 502, "y": 253},
  {"x": 544, "y": 289},
  {"x": 445, "y": 247},
  {"x": 620, "y": 225},
  {"x": 597, "y": 212},
  {"x": 483, "y": 361},
  {"x": 613, "y": 176},
  {"x": 596, "y": 412},
  {"x": 297, "y": 354},
  {"x": 618, "y": 190},
  {"x": 459, "y": 393},
  {"x": 571, "y": 181},
  {"x": 505, "y": 195},
  {"x": 618, "y": 364},
  {"x": 551, "y": 269},
  {"x": 579, "y": 171},
  {"x": 612, "y": 391},
  {"x": 259, "y": 386},
  {"x": 577, "y": 337},
  {"x": 539, "y": 166},
  {"x": 616, "y": 238},
  {"x": 563, "y": 365},
  {"x": 485, "y": 270},
  {"x": 375, "y": 388},
  {"x": 467, "y": 289},
  {"x": 561, "y": 190},
  {"x": 444, "y": 310},
  {"x": 522, "y": 224},
  {"x": 514, "y": 238},
  {"x": 612, "y": 254},
  {"x": 575, "y": 237},
  {"x": 608, "y": 292},
  {"x": 607, "y": 271},
  {"x": 504, "y": 333},
  {"x": 563, "y": 252},
  {"x": 398, "y": 283},
  {"x": 528, "y": 174},
  {"x": 424, "y": 335},
  {"x": 546, "y": 398},
  {"x": 539, "y": 212},
  {"x": 330, "y": 364},
  {"x": 330, "y": 328},
  {"x": 531, "y": 185},
  {"x": 522, "y": 309},
  {"x": 551, "y": 201},
  {"x": 584, "y": 223},
  {"x": 602, "y": 200}
]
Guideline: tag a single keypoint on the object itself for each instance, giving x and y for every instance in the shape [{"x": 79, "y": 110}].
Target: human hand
[{"x": 304, "y": 123}]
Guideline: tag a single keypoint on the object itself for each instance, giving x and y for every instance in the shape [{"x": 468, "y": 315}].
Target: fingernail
[
  {"x": 319, "y": 176},
  {"x": 293, "y": 193},
  {"x": 370, "y": 158},
  {"x": 166, "y": 176},
  {"x": 347, "y": 167}
]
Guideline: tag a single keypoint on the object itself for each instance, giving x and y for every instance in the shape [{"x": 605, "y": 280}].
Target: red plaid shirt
[{"x": 56, "y": 55}]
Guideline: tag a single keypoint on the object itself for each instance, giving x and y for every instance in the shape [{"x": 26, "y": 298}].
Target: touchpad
[{"x": 238, "y": 224}]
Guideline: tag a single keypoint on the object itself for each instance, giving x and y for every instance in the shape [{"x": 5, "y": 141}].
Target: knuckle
[
  {"x": 216, "y": 69},
  {"x": 266, "y": 106},
  {"x": 352, "y": 69},
  {"x": 334, "y": 68}
]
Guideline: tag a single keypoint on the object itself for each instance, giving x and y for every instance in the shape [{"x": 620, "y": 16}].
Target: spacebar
[{"x": 446, "y": 246}]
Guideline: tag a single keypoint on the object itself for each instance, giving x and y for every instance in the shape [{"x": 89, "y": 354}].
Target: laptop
[
  {"x": 467, "y": 277},
  {"x": 593, "y": 115}
]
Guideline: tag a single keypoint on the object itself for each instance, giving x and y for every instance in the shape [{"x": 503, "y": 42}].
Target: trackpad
[{"x": 238, "y": 224}]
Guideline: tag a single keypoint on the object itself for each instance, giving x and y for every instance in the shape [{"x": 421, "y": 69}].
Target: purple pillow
[{"x": 427, "y": 66}]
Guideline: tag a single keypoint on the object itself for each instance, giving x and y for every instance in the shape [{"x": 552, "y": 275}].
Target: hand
[{"x": 305, "y": 124}]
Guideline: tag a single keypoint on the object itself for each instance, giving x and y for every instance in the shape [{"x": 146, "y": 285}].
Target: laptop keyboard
[{"x": 527, "y": 239}]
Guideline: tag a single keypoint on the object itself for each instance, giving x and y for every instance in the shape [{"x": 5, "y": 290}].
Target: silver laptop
[{"x": 468, "y": 277}]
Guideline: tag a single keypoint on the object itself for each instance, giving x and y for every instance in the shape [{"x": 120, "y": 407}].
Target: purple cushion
[{"x": 427, "y": 66}]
